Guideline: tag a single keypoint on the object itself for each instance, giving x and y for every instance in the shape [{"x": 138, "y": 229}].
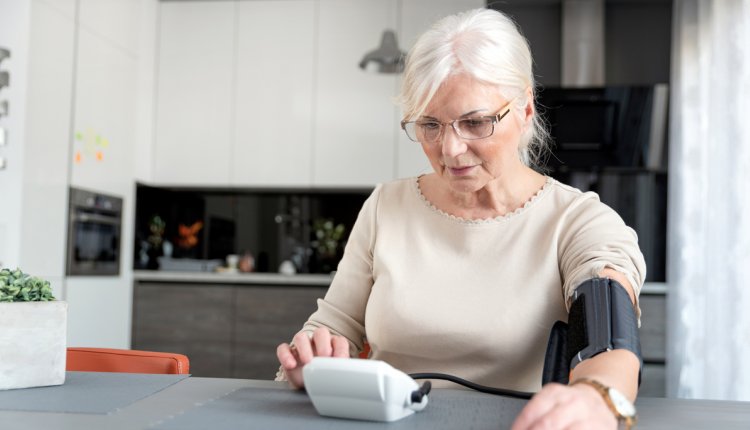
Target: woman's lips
[{"x": 460, "y": 171}]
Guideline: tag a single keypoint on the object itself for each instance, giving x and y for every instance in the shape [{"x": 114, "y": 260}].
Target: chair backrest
[{"x": 126, "y": 361}]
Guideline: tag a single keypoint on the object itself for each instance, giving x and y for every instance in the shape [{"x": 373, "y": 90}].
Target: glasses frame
[{"x": 496, "y": 118}]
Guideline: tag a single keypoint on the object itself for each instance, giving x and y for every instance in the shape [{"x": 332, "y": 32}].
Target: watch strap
[{"x": 603, "y": 390}]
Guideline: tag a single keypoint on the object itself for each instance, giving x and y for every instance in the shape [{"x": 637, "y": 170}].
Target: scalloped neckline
[{"x": 501, "y": 218}]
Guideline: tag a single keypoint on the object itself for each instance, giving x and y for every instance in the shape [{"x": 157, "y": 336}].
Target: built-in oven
[{"x": 94, "y": 232}]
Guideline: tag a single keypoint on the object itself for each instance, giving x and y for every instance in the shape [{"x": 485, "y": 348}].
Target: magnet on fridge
[
  {"x": 2, "y": 163},
  {"x": 2, "y": 137}
]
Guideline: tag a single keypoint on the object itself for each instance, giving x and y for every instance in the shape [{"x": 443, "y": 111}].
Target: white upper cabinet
[
  {"x": 104, "y": 115},
  {"x": 354, "y": 109},
  {"x": 358, "y": 140},
  {"x": 270, "y": 93},
  {"x": 193, "y": 138},
  {"x": 274, "y": 94},
  {"x": 113, "y": 20}
]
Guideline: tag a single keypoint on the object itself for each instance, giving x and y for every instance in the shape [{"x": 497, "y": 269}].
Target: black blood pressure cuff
[{"x": 601, "y": 318}]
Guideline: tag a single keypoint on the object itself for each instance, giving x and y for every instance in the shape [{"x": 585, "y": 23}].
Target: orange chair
[{"x": 126, "y": 361}]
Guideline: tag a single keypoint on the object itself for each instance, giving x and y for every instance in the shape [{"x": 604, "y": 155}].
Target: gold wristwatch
[{"x": 623, "y": 409}]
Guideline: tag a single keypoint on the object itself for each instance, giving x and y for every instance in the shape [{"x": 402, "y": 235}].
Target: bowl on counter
[{"x": 188, "y": 264}]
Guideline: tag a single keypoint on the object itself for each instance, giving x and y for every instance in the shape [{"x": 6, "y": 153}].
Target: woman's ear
[{"x": 529, "y": 108}]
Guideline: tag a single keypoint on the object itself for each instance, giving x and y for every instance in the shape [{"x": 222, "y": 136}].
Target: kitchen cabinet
[
  {"x": 416, "y": 17},
  {"x": 43, "y": 181},
  {"x": 226, "y": 330},
  {"x": 102, "y": 142},
  {"x": 358, "y": 139},
  {"x": 273, "y": 103},
  {"x": 269, "y": 93},
  {"x": 195, "y": 89},
  {"x": 355, "y": 111},
  {"x": 653, "y": 344},
  {"x": 192, "y": 319},
  {"x": 265, "y": 316}
]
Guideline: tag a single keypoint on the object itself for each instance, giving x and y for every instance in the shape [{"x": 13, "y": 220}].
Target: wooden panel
[
  {"x": 653, "y": 381},
  {"x": 192, "y": 319},
  {"x": 267, "y": 316},
  {"x": 653, "y": 327}
]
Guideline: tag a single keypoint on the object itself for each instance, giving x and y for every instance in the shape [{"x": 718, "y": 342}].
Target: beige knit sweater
[{"x": 473, "y": 298}]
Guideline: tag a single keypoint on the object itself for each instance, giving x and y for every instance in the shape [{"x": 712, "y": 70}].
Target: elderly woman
[{"x": 464, "y": 270}]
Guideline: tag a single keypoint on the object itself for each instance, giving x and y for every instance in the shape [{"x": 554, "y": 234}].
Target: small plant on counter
[
  {"x": 326, "y": 245},
  {"x": 16, "y": 286},
  {"x": 327, "y": 236}
]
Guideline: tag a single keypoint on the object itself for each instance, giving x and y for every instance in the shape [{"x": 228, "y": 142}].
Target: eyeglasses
[{"x": 473, "y": 128}]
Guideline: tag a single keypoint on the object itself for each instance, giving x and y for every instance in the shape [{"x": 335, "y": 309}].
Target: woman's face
[{"x": 469, "y": 165}]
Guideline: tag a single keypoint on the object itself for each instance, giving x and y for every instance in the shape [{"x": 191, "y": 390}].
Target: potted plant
[{"x": 33, "y": 330}]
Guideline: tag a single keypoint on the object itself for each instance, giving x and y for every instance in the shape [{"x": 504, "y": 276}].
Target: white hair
[{"x": 488, "y": 46}]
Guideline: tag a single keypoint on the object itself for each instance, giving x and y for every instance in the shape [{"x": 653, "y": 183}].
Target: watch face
[{"x": 621, "y": 403}]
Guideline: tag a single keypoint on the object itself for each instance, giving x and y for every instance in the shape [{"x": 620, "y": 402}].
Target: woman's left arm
[{"x": 580, "y": 406}]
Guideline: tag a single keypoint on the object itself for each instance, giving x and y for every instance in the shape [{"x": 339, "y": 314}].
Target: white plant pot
[{"x": 33, "y": 339}]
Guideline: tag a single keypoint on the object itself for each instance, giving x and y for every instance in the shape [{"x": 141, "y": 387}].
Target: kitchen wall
[
  {"x": 77, "y": 67},
  {"x": 14, "y": 24},
  {"x": 110, "y": 119},
  {"x": 85, "y": 96},
  {"x": 87, "y": 72}
]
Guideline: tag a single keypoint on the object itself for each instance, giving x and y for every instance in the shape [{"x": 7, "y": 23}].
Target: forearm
[{"x": 617, "y": 368}]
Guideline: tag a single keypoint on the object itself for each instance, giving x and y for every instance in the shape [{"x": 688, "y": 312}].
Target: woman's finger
[
  {"x": 322, "y": 340},
  {"x": 286, "y": 356},
  {"x": 340, "y": 346},
  {"x": 304, "y": 347}
]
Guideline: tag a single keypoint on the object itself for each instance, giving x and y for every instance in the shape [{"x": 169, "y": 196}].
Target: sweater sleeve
[{"x": 594, "y": 237}]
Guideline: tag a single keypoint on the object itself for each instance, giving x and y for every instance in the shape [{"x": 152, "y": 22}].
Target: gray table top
[{"x": 247, "y": 404}]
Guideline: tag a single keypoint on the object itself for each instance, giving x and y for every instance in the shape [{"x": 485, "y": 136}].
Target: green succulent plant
[
  {"x": 16, "y": 286},
  {"x": 328, "y": 236}
]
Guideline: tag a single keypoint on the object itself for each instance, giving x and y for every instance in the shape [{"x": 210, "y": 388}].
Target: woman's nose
[{"x": 452, "y": 144}]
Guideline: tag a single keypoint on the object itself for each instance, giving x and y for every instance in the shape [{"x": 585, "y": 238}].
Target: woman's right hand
[{"x": 321, "y": 344}]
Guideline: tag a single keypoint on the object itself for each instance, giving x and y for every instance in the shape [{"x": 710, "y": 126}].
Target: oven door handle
[{"x": 101, "y": 219}]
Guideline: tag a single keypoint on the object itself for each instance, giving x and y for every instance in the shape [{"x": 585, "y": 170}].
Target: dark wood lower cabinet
[
  {"x": 653, "y": 345},
  {"x": 226, "y": 330},
  {"x": 233, "y": 330},
  {"x": 267, "y": 316}
]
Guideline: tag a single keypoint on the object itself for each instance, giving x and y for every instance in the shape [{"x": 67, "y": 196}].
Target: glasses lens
[
  {"x": 428, "y": 131},
  {"x": 475, "y": 128},
  {"x": 410, "y": 129}
]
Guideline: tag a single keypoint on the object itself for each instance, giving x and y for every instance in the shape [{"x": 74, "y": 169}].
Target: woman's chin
[{"x": 464, "y": 184}]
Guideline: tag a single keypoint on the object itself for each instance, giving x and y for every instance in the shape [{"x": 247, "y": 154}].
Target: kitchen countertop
[{"x": 312, "y": 279}]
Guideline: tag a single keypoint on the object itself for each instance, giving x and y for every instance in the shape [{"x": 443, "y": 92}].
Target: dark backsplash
[{"x": 272, "y": 226}]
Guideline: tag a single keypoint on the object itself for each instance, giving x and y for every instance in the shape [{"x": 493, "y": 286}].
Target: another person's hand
[
  {"x": 321, "y": 344},
  {"x": 558, "y": 406}
]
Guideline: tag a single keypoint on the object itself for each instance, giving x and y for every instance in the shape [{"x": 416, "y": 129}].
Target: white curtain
[{"x": 708, "y": 263}]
